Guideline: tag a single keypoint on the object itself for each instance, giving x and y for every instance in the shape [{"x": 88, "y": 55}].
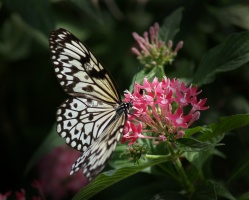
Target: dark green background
[{"x": 30, "y": 92}]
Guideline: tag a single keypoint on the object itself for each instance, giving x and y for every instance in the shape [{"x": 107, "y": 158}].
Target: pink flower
[
  {"x": 37, "y": 184},
  {"x": 152, "y": 51},
  {"x": 53, "y": 170},
  {"x": 163, "y": 109},
  {"x": 198, "y": 105},
  {"x": 5, "y": 195},
  {"x": 136, "y": 130},
  {"x": 178, "y": 120},
  {"x": 21, "y": 195}
]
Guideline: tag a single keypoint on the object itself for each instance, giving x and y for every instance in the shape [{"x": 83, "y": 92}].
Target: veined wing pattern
[{"x": 92, "y": 120}]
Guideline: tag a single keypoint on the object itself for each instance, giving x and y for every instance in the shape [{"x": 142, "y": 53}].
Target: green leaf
[
  {"x": 241, "y": 168},
  {"x": 204, "y": 130},
  {"x": 191, "y": 131},
  {"x": 221, "y": 190},
  {"x": 111, "y": 177},
  {"x": 224, "y": 124},
  {"x": 170, "y": 26},
  {"x": 205, "y": 191},
  {"x": 197, "y": 158},
  {"x": 244, "y": 196},
  {"x": 37, "y": 14},
  {"x": 213, "y": 133},
  {"x": 229, "y": 55},
  {"x": 51, "y": 141},
  {"x": 190, "y": 144},
  {"x": 210, "y": 190}
]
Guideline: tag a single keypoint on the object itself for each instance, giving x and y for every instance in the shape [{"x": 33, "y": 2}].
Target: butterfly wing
[
  {"x": 78, "y": 71},
  {"x": 81, "y": 75},
  {"x": 81, "y": 121},
  {"x": 93, "y": 119},
  {"x": 97, "y": 155}
]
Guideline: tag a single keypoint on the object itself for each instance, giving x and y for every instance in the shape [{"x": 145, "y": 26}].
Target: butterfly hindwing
[
  {"x": 78, "y": 71},
  {"x": 95, "y": 158},
  {"x": 81, "y": 121}
]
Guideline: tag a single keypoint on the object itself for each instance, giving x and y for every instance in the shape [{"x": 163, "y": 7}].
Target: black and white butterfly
[{"x": 92, "y": 120}]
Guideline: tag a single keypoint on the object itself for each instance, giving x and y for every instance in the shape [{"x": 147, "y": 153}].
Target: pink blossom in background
[
  {"x": 152, "y": 51},
  {"x": 38, "y": 185},
  {"x": 163, "y": 109},
  {"x": 5, "y": 195},
  {"x": 21, "y": 195},
  {"x": 54, "y": 171}
]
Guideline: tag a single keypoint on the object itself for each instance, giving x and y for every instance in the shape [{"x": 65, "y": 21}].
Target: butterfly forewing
[
  {"x": 78, "y": 71},
  {"x": 81, "y": 121}
]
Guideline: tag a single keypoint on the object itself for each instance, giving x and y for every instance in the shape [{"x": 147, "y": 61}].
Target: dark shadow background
[{"x": 30, "y": 92}]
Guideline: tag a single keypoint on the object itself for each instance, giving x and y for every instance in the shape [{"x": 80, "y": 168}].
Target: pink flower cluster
[
  {"x": 148, "y": 41},
  {"x": 152, "y": 51},
  {"x": 163, "y": 109},
  {"x": 53, "y": 170},
  {"x": 21, "y": 195},
  {"x": 5, "y": 195}
]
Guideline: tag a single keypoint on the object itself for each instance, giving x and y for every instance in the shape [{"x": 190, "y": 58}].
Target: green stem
[
  {"x": 156, "y": 156},
  {"x": 179, "y": 168},
  {"x": 161, "y": 70}
]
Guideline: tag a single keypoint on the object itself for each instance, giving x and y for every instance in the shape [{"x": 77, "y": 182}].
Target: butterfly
[{"x": 93, "y": 118}]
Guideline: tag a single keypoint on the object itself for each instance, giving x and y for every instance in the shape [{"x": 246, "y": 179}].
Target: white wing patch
[{"x": 82, "y": 121}]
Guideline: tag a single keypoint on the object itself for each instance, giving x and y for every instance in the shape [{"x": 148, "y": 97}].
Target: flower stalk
[{"x": 189, "y": 187}]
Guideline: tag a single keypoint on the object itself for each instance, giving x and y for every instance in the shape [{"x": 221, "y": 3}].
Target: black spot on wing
[
  {"x": 69, "y": 124},
  {"x": 86, "y": 77},
  {"x": 97, "y": 74},
  {"x": 90, "y": 116},
  {"x": 86, "y": 135},
  {"x": 88, "y": 88},
  {"x": 85, "y": 59},
  {"x": 89, "y": 101}
]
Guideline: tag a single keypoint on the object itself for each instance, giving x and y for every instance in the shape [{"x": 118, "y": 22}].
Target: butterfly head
[{"x": 129, "y": 104}]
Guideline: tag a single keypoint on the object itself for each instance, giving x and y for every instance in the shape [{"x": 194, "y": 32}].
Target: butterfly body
[{"x": 92, "y": 120}]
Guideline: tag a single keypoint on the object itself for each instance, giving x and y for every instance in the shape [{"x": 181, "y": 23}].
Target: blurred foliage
[{"x": 30, "y": 92}]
